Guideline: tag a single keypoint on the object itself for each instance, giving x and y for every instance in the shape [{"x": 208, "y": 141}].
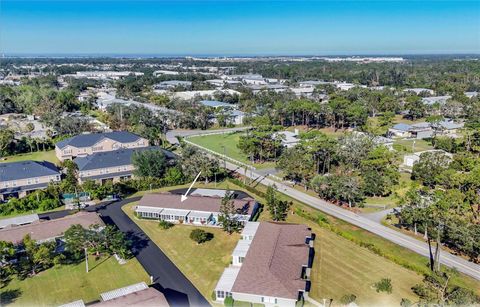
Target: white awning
[
  {"x": 199, "y": 214},
  {"x": 242, "y": 248},
  {"x": 226, "y": 281},
  {"x": 110, "y": 295},
  {"x": 148, "y": 209},
  {"x": 175, "y": 212}
]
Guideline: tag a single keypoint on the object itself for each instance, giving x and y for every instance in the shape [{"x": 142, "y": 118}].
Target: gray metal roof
[
  {"x": 19, "y": 220},
  {"x": 110, "y": 295},
  {"x": 114, "y": 158},
  {"x": 26, "y": 169},
  {"x": 87, "y": 140}
]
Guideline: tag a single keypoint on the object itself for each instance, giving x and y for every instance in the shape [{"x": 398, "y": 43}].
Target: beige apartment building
[
  {"x": 87, "y": 144},
  {"x": 17, "y": 179}
]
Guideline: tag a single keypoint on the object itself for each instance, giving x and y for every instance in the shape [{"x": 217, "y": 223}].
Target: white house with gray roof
[
  {"x": 17, "y": 179},
  {"x": 87, "y": 144}
]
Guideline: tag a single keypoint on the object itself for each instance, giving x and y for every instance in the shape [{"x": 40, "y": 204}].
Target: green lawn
[
  {"x": 67, "y": 283},
  {"x": 36, "y": 156},
  {"x": 217, "y": 142},
  {"x": 203, "y": 264},
  {"x": 407, "y": 146}
]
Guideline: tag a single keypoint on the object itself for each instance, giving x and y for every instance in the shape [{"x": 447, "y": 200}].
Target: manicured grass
[
  {"x": 67, "y": 283},
  {"x": 217, "y": 142},
  {"x": 341, "y": 267},
  {"x": 407, "y": 145},
  {"x": 36, "y": 156},
  {"x": 38, "y": 211},
  {"x": 203, "y": 264}
]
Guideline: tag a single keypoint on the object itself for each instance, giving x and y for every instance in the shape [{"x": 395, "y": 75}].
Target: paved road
[
  {"x": 394, "y": 236},
  {"x": 178, "y": 290},
  {"x": 172, "y": 134},
  {"x": 377, "y": 216}
]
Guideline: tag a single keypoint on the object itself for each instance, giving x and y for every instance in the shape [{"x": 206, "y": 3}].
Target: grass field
[
  {"x": 340, "y": 265},
  {"x": 203, "y": 264},
  {"x": 36, "y": 156},
  {"x": 229, "y": 141},
  {"x": 67, "y": 283}
]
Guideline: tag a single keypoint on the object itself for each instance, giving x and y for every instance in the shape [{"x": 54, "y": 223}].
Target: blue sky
[{"x": 239, "y": 27}]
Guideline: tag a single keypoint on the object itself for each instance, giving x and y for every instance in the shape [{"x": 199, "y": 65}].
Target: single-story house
[
  {"x": 435, "y": 99},
  {"x": 166, "y": 85},
  {"x": 277, "y": 88},
  {"x": 449, "y": 127},
  {"x": 134, "y": 295},
  {"x": 419, "y": 90},
  {"x": 196, "y": 209},
  {"x": 17, "y": 179},
  {"x": 112, "y": 165},
  {"x": 417, "y": 131},
  {"x": 86, "y": 144},
  {"x": 289, "y": 139},
  {"x": 470, "y": 95},
  {"x": 271, "y": 265},
  {"x": 43, "y": 231},
  {"x": 410, "y": 160},
  {"x": 234, "y": 116}
]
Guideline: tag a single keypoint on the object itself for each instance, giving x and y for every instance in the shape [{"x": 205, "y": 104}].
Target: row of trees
[{"x": 31, "y": 257}]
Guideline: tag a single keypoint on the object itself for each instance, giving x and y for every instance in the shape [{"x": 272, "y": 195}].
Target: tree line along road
[{"x": 461, "y": 264}]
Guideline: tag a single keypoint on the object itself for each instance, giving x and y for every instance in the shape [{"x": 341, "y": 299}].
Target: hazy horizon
[{"x": 248, "y": 27}]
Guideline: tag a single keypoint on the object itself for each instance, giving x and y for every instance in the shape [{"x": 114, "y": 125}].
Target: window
[
  {"x": 29, "y": 181},
  {"x": 221, "y": 294},
  {"x": 14, "y": 184},
  {"x": 241, "y": 259},
  {"x": 37, "y": 180}
]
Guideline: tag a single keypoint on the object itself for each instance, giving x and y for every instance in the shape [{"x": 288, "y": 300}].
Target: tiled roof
[
  {"x": 273, "y": 264},
  {"x": 26, "y": 169},
  {"x": 113, "y": 158},
  {"x": 49, "y": 229},
  {"x": 197, "y": 203},
  {"x": 87, "y": 140}
]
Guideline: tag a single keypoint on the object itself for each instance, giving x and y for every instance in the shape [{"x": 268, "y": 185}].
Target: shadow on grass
[
  {"x": 97, "y": 263},
  {"x": 9, "y": 296}
]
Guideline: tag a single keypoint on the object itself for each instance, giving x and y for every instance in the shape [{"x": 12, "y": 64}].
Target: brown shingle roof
[
  {"x": 193, "y": 202},
  {"x": 273, "y": 264},
  {"x": 147, "y": 297},
  {"x": 49, "y": 229}
]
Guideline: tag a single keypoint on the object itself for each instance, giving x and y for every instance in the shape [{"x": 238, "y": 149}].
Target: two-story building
[
  {"x": 17, "y": 179},
  {"x": 87, "y": 144},
  {"x": 271, "y": 265},
  {"x": 112, "y": 165}
]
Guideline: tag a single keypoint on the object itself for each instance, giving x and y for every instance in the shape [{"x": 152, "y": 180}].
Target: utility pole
[{"x": 86, "y": 259}]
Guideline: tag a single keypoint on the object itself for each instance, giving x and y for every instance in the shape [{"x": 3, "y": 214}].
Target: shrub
[
  {"x": 213, "y": 296},
  {"x": 384, "y": 285},
  {"x": 348, "y": 299},
  {"x": 228, "y": 301},
  {"x": 165, "y": 224},
  {"x": 200, "y": 236}
]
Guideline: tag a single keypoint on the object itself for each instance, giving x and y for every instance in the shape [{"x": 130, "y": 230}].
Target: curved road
[
  {"x": 178, "y": 290},
  {"x": 462, "y": 265}
]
